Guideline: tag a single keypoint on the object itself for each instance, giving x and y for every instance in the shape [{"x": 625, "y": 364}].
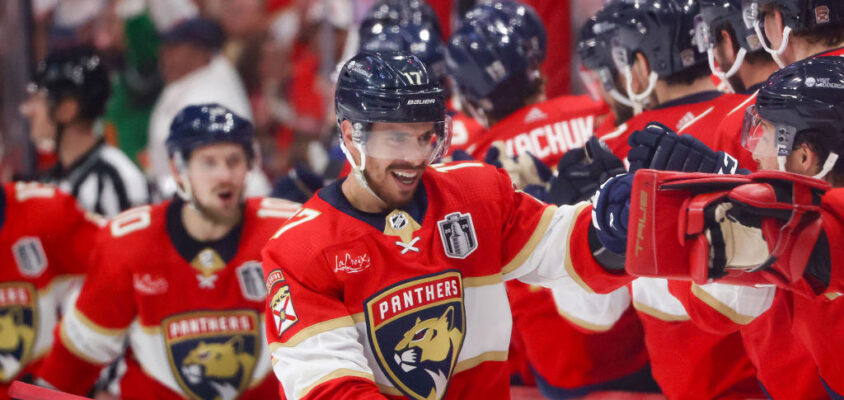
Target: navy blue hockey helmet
[
  {"x": 391, "y": 87},
  {"x": 662, "y": 30},
  {"x": 386, "y": 13},
  {"x": 802, "y": 97},
  {"x": 727, "y": 13},
  {"x": 488, "y": 63},
  {"x": 716, "y": 15},
  {"x": 387, "y": 87},
  {"x": 801, "y": 15},
  {"x": 423, "y": 41},
  {"x": 202, "y": 124},
  {"x": 593, "y": 48},
  {"x": 523, "y": 19},
  {"x": 76, "y": 72}
]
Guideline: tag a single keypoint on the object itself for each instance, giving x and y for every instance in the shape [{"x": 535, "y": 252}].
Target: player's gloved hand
[
  {"x": 610, "y": 211},
  {"x": 524, "y": 170},
  {"x": 298, "y": 185},
  {"x": 459, "y": 155},
  {"x": 658, "y": 147},
  {"x": 580, "y": 172}
]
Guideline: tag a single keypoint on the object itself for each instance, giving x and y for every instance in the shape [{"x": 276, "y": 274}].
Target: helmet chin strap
[
  {"x": 725, "y": 77},
  {"x": 639, "y": 99},
  {"x": 358, "y": 170},
  {"x": 786, "y": 33},
  {"x": 184, "y": 190},
  {"x": 827, "y": 165},
  {"x": 620, "y": 98}
]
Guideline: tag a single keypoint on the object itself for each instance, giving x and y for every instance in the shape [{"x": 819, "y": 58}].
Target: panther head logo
[
  {"x": 432, "y": 345},
  {"x": 16, "y": 338},
  {"x": 221, "y": 365}
]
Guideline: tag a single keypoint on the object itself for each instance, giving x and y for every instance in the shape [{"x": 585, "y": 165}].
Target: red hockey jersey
[
  {"x": 835, "y": 52},
  {"x": 464, "y": 131},
  {"x": 728, "y": 134},
  {"x": 412, "y": 302},
  {"x": 763, "y": 316},
  {"x": 45, "y": 240},
  {"x": 547, "y": 130},
  {"x": 192, "y": 312},
  {"x": 686, "y": 361},
  {"x": 698, "y": 115},
  {"x": 573, "y": 357},
  {"x": 817, "y": 320}
]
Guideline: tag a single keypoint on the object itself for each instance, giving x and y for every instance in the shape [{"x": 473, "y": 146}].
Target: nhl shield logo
[
  {"x": 212, "y": 354},
  {"x": 18, "y": 327},
  {"x": 458, "y": 235},
  {"x": 416, "y": 329}
]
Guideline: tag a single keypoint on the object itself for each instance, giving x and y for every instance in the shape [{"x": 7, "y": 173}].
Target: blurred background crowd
[{"x": 269, "y": 60}]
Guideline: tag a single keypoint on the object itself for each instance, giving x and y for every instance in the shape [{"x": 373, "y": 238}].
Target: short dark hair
[
  {"x": 818, "y": 143},
  {"x": 752, "y": 57},
  {"x": 688, "y": 76}
]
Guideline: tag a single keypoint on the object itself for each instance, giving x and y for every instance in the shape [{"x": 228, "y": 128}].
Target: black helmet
[
  {"x": 201, "y": 124},
  {"x": 78, "y": 72},
  {"x": 387, "y": 87},
  {"x": 662, "y": 30},
  {"x": 807, "y": 96},
  {"x": 489, "y": 63}
]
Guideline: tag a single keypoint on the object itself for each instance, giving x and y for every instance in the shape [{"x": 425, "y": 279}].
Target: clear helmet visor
[
  {"x": 702, "y": 35},
  {"x": 411, "y": 141},
  {"x": 764, "y": 138},
  {"x": 592, "y": 82}
]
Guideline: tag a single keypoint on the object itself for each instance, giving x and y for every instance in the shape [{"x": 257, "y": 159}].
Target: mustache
[{"x": 406, "y": 165}]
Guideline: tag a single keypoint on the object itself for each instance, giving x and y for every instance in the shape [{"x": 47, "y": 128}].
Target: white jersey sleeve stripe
[
  {"x": 741, "y": 304},
  {"x": 651, "y": 296},
  {"x": 312, "y": 361},
  {"x": 89, "y": 341},
  {"x": 595, "y": 312}
]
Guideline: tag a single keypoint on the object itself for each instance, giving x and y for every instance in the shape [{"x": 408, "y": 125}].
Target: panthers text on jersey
[
  {"x": 547, "y": 130},
  {"x": 411, "y": 302},
  {"x": 192, "y": 312},
  {"x": 46, "y": 239}
]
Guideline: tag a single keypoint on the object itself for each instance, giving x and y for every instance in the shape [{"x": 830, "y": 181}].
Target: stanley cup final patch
[
  {"x": 458, "y": 235},
  {"x": 416, "y": 329}
]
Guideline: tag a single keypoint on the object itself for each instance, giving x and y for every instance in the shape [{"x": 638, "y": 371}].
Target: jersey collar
[
  {"x": 188, "y": 247},
  {"x": 333, "y": 195},
  {"x": 699, "y": 97}
]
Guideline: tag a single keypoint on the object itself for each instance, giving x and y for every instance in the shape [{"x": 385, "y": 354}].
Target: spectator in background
[{"x": 194, "y": 72}]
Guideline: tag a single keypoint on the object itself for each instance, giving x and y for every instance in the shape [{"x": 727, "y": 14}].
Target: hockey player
[
  {"x": 496, "y": 71},
  {"x": 73, "y": 86},
  {"x": 46, "y": 239},
  {"x": 730, "y": 41},
  {"x": 671, "y": 76},
  {"x": 664, "y": 71},
  {"x": 791, "y": 30},
  {"x": 400, "y": 289},
  {"x": 181, "y": 281},
  {"x": 794, "y": 126},
  {"x": 600, "y": 74}
]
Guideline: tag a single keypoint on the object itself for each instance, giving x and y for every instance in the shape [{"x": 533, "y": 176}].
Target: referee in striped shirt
[{"x": 69, "y": 95}]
